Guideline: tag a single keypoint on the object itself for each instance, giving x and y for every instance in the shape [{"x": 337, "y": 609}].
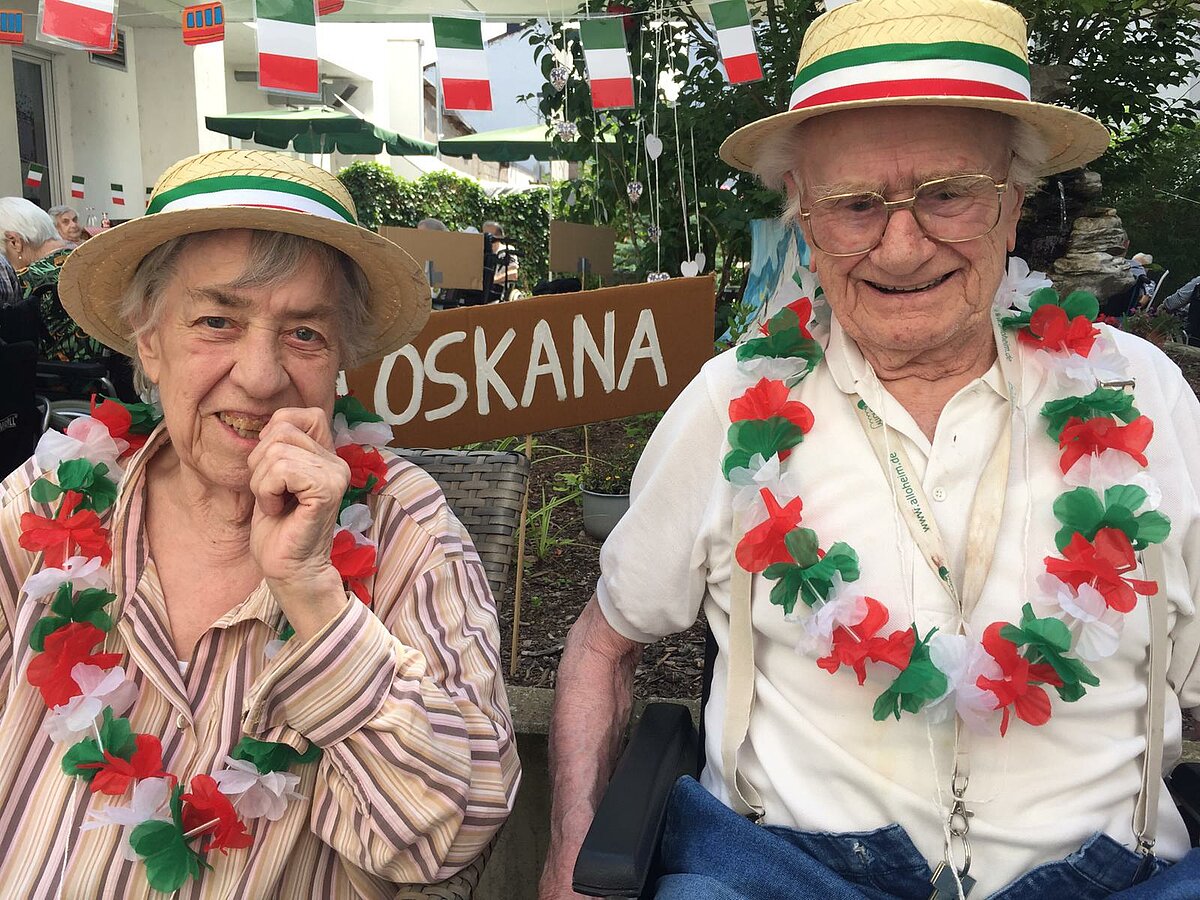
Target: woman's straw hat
[
  {"x": 968, "y": 53},
  {"x": 245, "y": 189}
]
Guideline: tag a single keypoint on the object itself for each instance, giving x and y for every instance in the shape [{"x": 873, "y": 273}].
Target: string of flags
[
  {"x": 462, "y": 63},
  {"x": 118, "y": 195},
  {"x": 33, "y": 178},
  {"x": 607, "y": 62},
  {"x": 12, "y": 26},
  {"x": 77, "y": 191}
]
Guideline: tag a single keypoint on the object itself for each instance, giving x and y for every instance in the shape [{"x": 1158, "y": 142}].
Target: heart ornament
[
  {"x": 701, "y": 261},
  {"x": 654, "y": 146},
  {"x": 689, "y": 269}
]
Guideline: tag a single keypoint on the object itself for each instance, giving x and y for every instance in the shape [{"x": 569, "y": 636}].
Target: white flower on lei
[
  {"x": 98, "y": 689},
  {"x": 85, "y": 438},
  {"x": 775, "y": 368},
  {"x": 356, "y": 519},
  {"x": 372, "y": 434},
  {"x": 254, "y": 793},
  {"x": 1095, "y": 628},
  {"x": 83, "y": 573},
  {"x": 963, "y": 660},
  {"x": 749, "y": 482},
  {"x": 1112, "y": 467},
  {"x": 1075, "y": 374},
  {"x": 149, "y": 804},
  {"x": 840, "y": 609},
  {"x": 1018, "y": 284}
]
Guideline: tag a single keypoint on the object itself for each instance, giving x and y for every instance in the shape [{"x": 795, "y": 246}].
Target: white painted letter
[
  {"x": 643, "y": 345},
  {"x": 584, "y": 345},
  {"x": 454, "y": 380},
  {"x": 543, "y": 346},
  {"x": 485, "y": 371},
  {"x": 385, "y": 375}
]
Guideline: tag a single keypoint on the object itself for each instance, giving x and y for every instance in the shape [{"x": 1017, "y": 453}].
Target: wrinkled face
[
  {"x": 910, "y": 294},
  {"x": 68, "y": 226},
  {"x": 225, "y": 357}
]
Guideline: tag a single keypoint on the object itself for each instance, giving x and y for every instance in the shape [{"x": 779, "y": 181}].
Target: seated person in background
[
  {"x": 930, "y": 657},
  {"x": 432, "y": 225},
  {"x": 295, "y": 625},
  {"x": 66, "y": 220},
  {"x": 507, "y": 265},
  {"x": 37, "y": 254}
]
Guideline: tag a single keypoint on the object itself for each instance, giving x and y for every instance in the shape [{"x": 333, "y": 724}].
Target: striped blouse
[{"x": 419, "y": 767}]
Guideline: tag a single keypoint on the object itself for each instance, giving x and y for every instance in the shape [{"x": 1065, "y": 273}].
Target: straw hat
[
  {"x": 245, "y": 189},
  {"x": 969, "y": 53}
]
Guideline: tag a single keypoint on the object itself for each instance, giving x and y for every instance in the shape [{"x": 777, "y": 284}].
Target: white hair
[
  {"x": 55, "y": 211},
  {"x": 32, "y": 223},
  {"x": 1144, "y": 258},
  {"x": 779, "y": 152}
]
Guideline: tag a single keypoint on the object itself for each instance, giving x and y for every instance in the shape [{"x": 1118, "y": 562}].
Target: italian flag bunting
[
  {"x": 736, "y": 38},
  {"x": 287, "y": 46},
  {"x": 118, "y": 195},
  {"x": 607, "y": 63},
  {"x": 34, "y": 176},
  {"x": 462, "y": 63},
  {"x": 86, "y": 24},
  {"x": 77, "y": 187}
]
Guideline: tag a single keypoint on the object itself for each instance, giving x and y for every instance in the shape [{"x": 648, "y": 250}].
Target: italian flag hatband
[
  {"x": 607, "y": 60},
  {"x": 77, "y": 191},
  {"x": 34, "y": 176},
  {"x": 462, "y": 63},
  {"x": 735, "y": 35},
  {"x": 118, "y": 194},
  {"x": 87, "y": 24},
  {"x": 262, "y": 191},
  {"x": 942, "y": 68},
  {"x": 287, "y": 46}
]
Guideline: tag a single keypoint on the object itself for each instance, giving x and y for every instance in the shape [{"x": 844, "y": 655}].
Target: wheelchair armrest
[
  {"x": 620, "y": 846},
  {"x": 1184, "y": 785},
  {"x": 84, "y": 370}
]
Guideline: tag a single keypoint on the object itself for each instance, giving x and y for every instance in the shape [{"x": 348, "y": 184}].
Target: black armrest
[
  {"x": 620, "y": 846},
  {"x": 1184, "y": 785},
  {"x": 67, "y": 371}
]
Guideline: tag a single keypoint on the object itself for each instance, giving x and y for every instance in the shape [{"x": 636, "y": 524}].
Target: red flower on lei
[
  {"x": 1102, "y": 563},
  {"x": 68, "y": 534},
  {"x": 1079, "y": 438},
  {"x": 206, "y": 808},
  {"x": 803, "y": 310},
  {"x": 1020, "y": 687},
  {"x": 1050, "y": 329},
  {"x": 763, "y": 545},
  {"x": 363, "y": 462},
  {"x": 855, "y": 650},
  {"x": 50, "y": 670},
  {"x": 354, "y": 562},
  {"x": 118, "y": 421},
  {"x": 115, "y": 775},
  {"x": 769, "y": 398}
]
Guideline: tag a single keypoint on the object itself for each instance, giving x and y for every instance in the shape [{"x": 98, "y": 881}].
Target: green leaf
[
  {"x": 99, "y": 491},
  {"x": 87, "y": 606},
  {"x": 144, "y": 417},
  {"x": 354, "y": 411},
  {"x": 116, "y": 735},
  {"x": 765, "y": 436},
  {"x": 62, "y": 604},
  {"x": 919, "y": 683},
  {"x": 270, "y": 756},
  {"x": 1130, "y": 496},
  {"x": 45, "y": 491},
  {"x": 1046, "y": 296},
  {"x": 1081, "y": 303},
  {"x": 1152, "y": 528},
  {"x": 170, "y": 862},
  {"x": 788, "y": 344},
  {"x": 840, "y": 558},
  {"x": 43, "y": 628},
  {"x": 1078, "y": 510},
  {"x": 802, "y": 544},
  {"x": 789, "y": 580},
  {"x": 1100, "y": 403},
  {"x": 85, "y": 751},
  {"x": 1048, "y": 640}
]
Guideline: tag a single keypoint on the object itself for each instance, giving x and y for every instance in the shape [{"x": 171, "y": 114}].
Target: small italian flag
[
  {"x": 118, "y": 195},
  {"x": 462, "y": 63},
  {"x": 607, "y": 62},
  {"x": 287, "y": 46},
  {"x": 34, "y": 176},
  {"x": 736, "y": 38},
  {"x": 149, "y": 191},
  {"x": 87, "y": 24},
  {"x": 77, "y": 187}
]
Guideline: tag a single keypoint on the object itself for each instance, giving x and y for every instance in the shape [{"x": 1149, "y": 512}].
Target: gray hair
[
  {"x": 274, "y": 258},
  {"x": 779, "y": 151},
  {"x": 23, "y": 218},
  {"x": 432, "y": 225},
  {"x": 499, "y": 228},
  {"x": 55, "y": 211}
]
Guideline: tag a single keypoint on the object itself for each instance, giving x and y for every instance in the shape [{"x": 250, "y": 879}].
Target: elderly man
[
  {"x": 66, "y": 220},
  {"x": 914, "y": 531},
  {"x": 231, "y": 622}
]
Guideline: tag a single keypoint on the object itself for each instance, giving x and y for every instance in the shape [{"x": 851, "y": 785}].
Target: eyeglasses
[{"x": 949, "y": 210}]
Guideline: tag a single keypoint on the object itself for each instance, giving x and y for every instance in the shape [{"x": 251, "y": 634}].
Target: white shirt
[{"x": 813, "y": 752}]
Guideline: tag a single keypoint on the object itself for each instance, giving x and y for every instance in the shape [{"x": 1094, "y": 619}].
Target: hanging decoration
[
  {"x": 735, "y": 35},
  {"x": 77, "y": 191},
  {"x": 567, "y": 131},
  {"x": 609, "y": 75},
  {"x": 287, "y": 46},
  {"x": 462, "y": 63},
  {"x": 634, "y": 191},
  {"x": 559, "y": 76},
  {"x": 89, "y": 25},
  {"x": 654, "y": 146},
  {"x": 12, "y": 26},
  {"x": 33, "y": 178},
  {"x": 203, "y": 24},
  {"x": 118, "y": 195},
  {"x": 329, "y": 7}
]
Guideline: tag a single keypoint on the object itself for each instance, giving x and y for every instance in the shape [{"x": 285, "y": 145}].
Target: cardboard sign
[
  {"x": 532, "y": 365},
  {"x": 450, "y": 259},
  {"x": 571, "y": 242}
]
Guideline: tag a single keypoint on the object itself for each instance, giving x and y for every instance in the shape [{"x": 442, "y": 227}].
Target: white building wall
[
  {"x": 10, "y": 160},
  {"x": 166, "y": 95},
  {"x": 208, "y": 69}
]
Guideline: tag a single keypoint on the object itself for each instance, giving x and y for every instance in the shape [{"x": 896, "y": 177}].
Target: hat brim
[
  {"x": 1072, "y": 138},
  {"x": 97, "y": 274}
]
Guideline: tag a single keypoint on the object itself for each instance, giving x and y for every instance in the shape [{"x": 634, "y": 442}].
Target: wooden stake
[{"x": 516, "y": 626}]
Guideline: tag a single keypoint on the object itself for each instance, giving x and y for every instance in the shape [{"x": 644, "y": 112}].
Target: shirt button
[
  {"x": 939, "y": 494},
  {"x": 181, "y": 721}
]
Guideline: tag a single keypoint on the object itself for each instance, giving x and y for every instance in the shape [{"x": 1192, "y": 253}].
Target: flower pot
[{"x": 601, "y": 512}]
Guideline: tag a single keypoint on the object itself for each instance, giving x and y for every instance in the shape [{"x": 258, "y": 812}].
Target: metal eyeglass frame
[{"x": 909, "y": 203}]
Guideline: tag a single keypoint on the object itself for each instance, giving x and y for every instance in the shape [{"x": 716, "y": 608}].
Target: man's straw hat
[
  {"x": 967, "y": 53},
  {"x": 245, "y": 189}
]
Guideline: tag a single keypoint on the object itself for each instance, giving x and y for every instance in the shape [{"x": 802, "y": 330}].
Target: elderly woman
[
  {"x": 914, "y": 531},
  {"x": 37, "y": 253},
  {"x": 244, "y": 628}
]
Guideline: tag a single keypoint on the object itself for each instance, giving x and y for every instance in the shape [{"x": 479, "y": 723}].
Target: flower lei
[
  {"x": 1107, "y": 515},
  {"x": 88, "y": 692}
]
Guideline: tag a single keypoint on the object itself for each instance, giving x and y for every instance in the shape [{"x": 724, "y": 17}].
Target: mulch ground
[{"x": 562, "y": 565}]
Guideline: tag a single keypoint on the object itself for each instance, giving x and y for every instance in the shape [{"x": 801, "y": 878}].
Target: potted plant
[{"x": 604, "y": 489}]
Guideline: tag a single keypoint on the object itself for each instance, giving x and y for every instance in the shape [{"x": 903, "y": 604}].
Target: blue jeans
[{"x": 709, "y": 852}]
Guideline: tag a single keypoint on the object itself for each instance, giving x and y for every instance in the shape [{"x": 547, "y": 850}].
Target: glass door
[{"x": 35, "y": 127}]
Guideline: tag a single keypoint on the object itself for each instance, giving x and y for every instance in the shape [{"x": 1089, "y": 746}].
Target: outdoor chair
[
  {"x": 618, "y": 857},
  {"x": 485, "y": 490}
]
